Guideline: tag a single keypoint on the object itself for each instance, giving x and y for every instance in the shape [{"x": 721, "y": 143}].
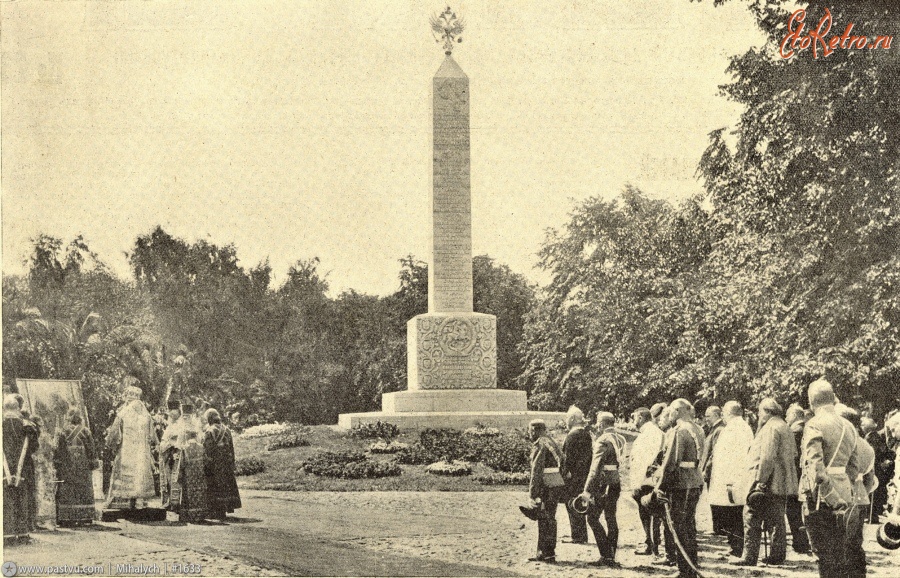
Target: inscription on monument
[
  {"x": 450, "y": 275},
  {"x": 453, "y": 351}
]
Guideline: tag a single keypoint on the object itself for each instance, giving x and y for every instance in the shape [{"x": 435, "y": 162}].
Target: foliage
[
  {"x": 454, "y": 468},
  {"x": 375, "y": 430},
  {"x": 481, "y": 430},
  {"x": 382, "y": 447},
  {"x": 415, "y": 455},
  {"x": 508, "y": 452},
  {"x": 287, "y": 440},
  {"x": 783, "y": 271},
  {"x": 505, "y": 452},
  {"x": 502, "y": 478},
  {"x": 249, "y": 466},
  {"x": 348, "y": 464}
]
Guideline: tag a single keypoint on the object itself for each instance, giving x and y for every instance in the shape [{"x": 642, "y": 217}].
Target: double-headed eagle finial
[{"x": 446, "y": 28}]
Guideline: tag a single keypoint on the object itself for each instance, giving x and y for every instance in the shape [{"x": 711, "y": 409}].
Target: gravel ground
[{"x": 381, "y": 534}]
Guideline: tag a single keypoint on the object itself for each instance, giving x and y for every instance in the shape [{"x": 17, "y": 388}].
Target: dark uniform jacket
[
  {"x": 773, "y": 458},
  {"x": 545, "y": 453},
  {"x": 680, "y": 466},
  {"x": 605, "y": 463},
  {"x": 577, "y": 449}
]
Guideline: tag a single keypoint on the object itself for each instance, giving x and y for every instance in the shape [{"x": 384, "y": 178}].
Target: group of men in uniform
[{"x": 813, "y": 468}]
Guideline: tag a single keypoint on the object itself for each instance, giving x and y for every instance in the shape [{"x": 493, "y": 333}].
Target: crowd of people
[
  {"x": 820, "y": 473},
  {"x": 185, "y": 458}
]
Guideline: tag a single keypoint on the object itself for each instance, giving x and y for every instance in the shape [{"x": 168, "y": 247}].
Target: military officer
[
  {"x": 546, "y": 458},
  {"x": 602, "y": 488},
  {"x": 681, "y": 483},
  {"x": 829, "y": 468}
]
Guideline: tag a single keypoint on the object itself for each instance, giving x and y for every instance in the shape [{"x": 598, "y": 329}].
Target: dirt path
[{"x": 382, "y": 534}]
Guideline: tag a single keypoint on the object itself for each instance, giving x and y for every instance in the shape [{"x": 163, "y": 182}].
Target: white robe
[
  {"x": 132, "y": 473},
  {"x": 646, "y": 447},
  {"x": 729, "y": 464}
]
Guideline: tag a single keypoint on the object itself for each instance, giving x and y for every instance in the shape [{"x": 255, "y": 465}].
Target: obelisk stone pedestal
[{"x": 451, "y": 350}]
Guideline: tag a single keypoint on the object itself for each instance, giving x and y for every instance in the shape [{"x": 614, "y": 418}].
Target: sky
[{"x": 302, "y": 129}]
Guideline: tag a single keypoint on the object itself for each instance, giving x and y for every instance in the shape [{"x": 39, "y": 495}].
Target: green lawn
[{"x": 283, "y": 470}]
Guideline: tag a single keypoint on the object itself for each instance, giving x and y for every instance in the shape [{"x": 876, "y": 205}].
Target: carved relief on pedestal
[{"x": 455, "y": 351}]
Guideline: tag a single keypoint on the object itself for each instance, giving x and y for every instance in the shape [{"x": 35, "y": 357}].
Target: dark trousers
[
  {"x": 547, "y": 527},
  {"x": 879, "y": 501},
  {"x": 671, "y": 548},
  {"x": 799, "y": 538},
  {"x": 770, "y": 514},
  {"x": 683, "y": 506},
  {"x": 605, "y": 505},
  {"x": 652, "y": 523},
  {"x": 577, "y": 525},
  {"x": 856, "y": 556},
  {"x": 833, "y": 535},
  {"x": 728, "y": 521}
]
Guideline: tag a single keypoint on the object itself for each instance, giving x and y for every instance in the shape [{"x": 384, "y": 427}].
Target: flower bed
[
  {"x": 482, "y": 431},
  {"x": 267, "y": 429},
  {"x": 382, "y": 447},
  {"x": 249, "y": 466},
  {"x": 502, "y": 478},
  {"x": 377, "y": 430},
  {"x": 349, "y": 464},
  {"x": 507, "y": 452},
  {"x": 454, "y": 468},
  {"x": 287, "y": 440}
]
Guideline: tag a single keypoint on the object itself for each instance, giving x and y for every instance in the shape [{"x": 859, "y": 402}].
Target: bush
[
  {"x": 349, "y": 465},
  {"x": 454, "y": 468},
  {"x": 482, "y": 431},
  {"x": 382, "y": 447},
  {"x": 249, "y": 466},
  {"x": 289, "y": 440},
  {"x": 377, "y": 430},
  {"x": 506, "y": 453},
  {"x": 414, "y": 455},
  {"x": 444, "y": 444},
  {"x": 502, "y": 478}
]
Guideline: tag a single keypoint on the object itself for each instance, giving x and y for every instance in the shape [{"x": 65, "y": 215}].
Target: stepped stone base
[
  {"x": 452, "y": 408},
  {"x": 450, "y": 419},
  {"x": 454, "y": 400}
]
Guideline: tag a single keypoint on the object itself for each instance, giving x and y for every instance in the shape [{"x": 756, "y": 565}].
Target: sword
[{"x": 671, "y": 526}]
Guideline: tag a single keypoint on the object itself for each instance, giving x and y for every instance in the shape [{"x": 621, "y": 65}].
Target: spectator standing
[
  {"x": 773, "y": 476},
  {"x": 577, "y": 450},
  {"x": 644, "y": 452},
  {"x": 728, "y": 479}
]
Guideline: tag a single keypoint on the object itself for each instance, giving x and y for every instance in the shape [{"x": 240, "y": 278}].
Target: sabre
[{"x": 671, "y": 526}]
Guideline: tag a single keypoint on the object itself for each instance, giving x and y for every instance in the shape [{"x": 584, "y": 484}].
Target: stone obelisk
[
  {"x": 451, "y": 350},
  {"x": 451, "y": 347}
]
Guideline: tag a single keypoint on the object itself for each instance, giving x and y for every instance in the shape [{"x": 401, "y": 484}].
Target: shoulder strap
[{"x": 838, "y": 446}]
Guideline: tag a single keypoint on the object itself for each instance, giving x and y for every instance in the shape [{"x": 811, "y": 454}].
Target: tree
[
  {"x": 810, "y": 193},
  {"x": 612, "y": 328}
]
